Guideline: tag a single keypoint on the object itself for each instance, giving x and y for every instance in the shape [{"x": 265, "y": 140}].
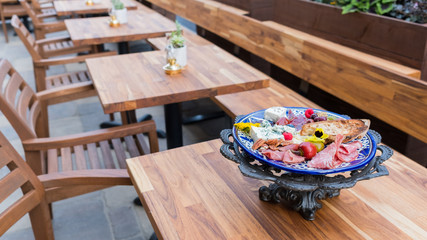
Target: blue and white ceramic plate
[{"x": 365, "y": 156}]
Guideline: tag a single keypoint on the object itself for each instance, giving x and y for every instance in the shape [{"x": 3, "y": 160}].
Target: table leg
[
  {"x": 173, "y": 121},
  {"x": 123, "y": 47}
]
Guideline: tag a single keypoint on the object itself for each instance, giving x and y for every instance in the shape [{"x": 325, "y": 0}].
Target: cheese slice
[
  {"x": 264, "y": 133},
  {"x": 274, "y": 113}
]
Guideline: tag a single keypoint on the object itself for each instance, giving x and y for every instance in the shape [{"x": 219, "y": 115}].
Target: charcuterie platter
[
  {"x": 366, "y": 153},
  {"x": 308, "y": 154}
]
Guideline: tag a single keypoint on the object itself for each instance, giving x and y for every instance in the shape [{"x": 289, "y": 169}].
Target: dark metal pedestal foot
[
  {"x": 153, "y": 237},
  {"x": 306, "y": 203},
  {"x": 202, "y": 117},
  {"x": 137, "y": 201}
]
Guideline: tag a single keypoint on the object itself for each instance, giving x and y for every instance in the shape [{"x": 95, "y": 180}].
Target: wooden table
[
  {"x": 193, "y": 192},
  {"x": 65, "y": 7},
  {"x": 132, "y": 81},
  {"x": 141, "y": 25}
]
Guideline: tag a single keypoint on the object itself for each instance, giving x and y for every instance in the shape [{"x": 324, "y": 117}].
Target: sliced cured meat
[
  {"x": 290, "y": 157},
  {"x": 282, "y": 121},
  {"x": 349, "y": 157},
  {"x": 348, "y": 152},
  {"x": 289, "y": 147},
  {"x": 326, "y": 158},
  {"x": 273, "y": 155},
  {"x": 350, "y": 147}
]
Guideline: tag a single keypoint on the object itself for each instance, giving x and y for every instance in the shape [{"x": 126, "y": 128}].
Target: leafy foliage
[
  {"x": 176, "y": 38},
  {"x": 117, "y": 4},
  {"x": 409, "y": 10}
]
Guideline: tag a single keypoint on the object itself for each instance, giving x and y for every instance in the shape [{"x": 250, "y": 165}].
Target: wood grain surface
[
  {"x": 84, "y": 31},
  {"x": 191, "y": 40},
  {"x": 383, "y": 91},
  {"x": 132, "y": 81},
  {"x": 65, "y": 7},
  {"x": 277, "y": 94},
  {"x": 195, "y": 193}
]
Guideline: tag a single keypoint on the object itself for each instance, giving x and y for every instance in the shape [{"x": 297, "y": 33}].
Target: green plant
[
  {"x": 117, "y": 4},
  {"x": 176, "y": 38},
  {"x": 410, "y": 10},
  {"x": 349, "y": 6},
  {"x": 379, "y": 6}
]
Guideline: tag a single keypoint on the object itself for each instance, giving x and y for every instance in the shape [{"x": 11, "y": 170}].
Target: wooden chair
[
  {"x": 41, "y": 26},
  {"x": 100, "y": 149},
  {"x": 40, "y": 52},
  {"x": 8, "y": 8},
  {"x": 39, "y": 192},
  {"x": 43, "y": 6}
]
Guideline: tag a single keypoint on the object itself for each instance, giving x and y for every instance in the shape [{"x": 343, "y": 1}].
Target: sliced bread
[{"x": 350, "y": 129}]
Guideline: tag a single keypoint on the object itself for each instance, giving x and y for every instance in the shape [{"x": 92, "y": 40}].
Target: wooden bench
[{"x": 250, "y": 101}]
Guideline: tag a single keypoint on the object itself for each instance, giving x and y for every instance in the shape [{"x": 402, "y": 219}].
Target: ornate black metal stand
[{"x": 301, "y": 191}]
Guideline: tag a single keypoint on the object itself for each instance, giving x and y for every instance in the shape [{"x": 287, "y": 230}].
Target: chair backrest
[
  {"x": 18, "y": 102},
  {"x": 26, "y": 37},
  {"x": 19, "y": 177},
  {"x": 31, "y": 13}
]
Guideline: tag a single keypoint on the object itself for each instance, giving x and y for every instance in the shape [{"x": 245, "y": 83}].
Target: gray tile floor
[{"x": 106, "y": 214}]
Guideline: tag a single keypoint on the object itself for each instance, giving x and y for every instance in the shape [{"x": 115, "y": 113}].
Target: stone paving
[{"x": 106, "y": 214}]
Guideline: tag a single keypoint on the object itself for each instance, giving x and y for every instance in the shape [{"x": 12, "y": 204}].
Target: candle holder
[
  {"x": 172, "y": 67},
  {"x": 114, "y": 22}
]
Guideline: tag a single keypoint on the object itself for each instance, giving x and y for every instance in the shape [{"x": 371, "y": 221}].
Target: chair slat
[
  {"x": 11, "y": 182},
  {"x": 66, "y": 159},
  {"x": 74, "y": 78},
  {"x": 4, "y": 160},
  {"x": 52, "y": 161},
  {"x": 93, "y": 156},
  {"x": 34, "y": 113},
  {"x": 24, "y": 101},
  {"x": 12, "y": 88},
  {"x": 79, "y": 153},
  {"x": 18, "y": 210},
  {"x": 65, "y": 80},
  {"x": 120, "y": 152},
  {"x": 106, "y": 155},
  {"x": 131, "y": 146},
  {"x": 56, "y": 82},
  {"x": 84, "y": 76},
  {"x": 142, "y": 144},
  {"x": 5, "y": 67}
]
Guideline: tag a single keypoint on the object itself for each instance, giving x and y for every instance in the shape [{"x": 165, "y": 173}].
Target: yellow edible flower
[
  {"x": 320, "y": 133},
  {"x": 314, "y": 139},
  {"x": 246, "y": 127}
]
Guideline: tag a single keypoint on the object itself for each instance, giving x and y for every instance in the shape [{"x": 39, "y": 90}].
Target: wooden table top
[
  {"x": 64, "y": 7},
  {"x": 193, "y": 192},
  {"x": 132, "y": 81},
  {"x": 191, "y": 40},
  {"x": 86, "y": 31}
]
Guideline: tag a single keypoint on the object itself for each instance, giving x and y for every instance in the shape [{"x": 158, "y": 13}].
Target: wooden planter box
[{"x": 393, "y": 39}]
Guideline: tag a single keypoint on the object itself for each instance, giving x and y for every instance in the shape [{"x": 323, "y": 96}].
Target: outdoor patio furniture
[
  {"x": 40, "y": 52},
  {"x": 41, "y": 25},
  {"x": 8, "y": 8},
  {"x": 39, "y": 191},
  {"x": 100, "y": 149},
  {"x": 127, "y": 82}
]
